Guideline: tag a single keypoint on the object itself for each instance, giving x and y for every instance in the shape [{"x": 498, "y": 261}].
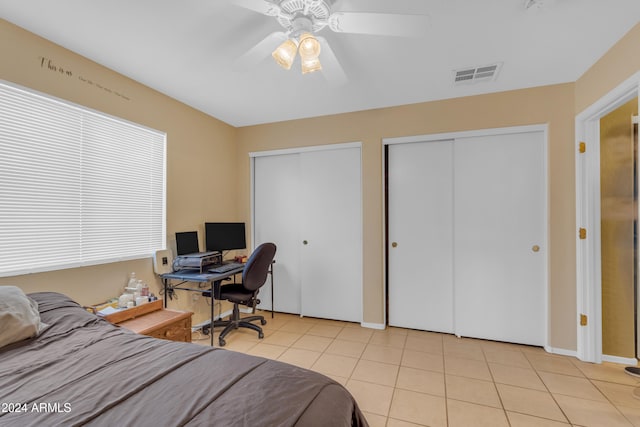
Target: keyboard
[{"x": 225, "y": 267}]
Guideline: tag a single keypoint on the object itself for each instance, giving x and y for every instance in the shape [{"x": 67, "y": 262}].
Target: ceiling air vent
[{"x": 466, "y": 76}]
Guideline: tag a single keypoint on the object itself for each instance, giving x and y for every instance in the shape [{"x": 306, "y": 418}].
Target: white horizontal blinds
[
  {"x": 40, "y": 150},
  {"x": 76, "y": 187},
  {"x": 121, "y": 166}
]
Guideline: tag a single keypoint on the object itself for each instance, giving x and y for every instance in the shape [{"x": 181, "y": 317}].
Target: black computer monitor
[
  {"x": 187, "y": 243},
  {"x": 224, "y": 236}
]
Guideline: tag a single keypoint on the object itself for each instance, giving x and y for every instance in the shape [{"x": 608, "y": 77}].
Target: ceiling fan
[{"x": 303, "y": 19}]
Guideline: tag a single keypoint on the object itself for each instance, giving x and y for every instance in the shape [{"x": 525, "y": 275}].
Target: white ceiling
[{"x": 186, "y": 48}]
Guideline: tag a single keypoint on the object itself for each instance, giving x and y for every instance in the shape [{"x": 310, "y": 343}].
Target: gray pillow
[{"x": 19, "y": 316}]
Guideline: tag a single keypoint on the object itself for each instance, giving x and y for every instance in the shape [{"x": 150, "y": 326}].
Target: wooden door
[
  {"x": 420, "y": 238},
  {"x": 500, "y": 237}
]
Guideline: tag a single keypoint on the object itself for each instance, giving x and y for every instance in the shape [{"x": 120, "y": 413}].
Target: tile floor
[{"x": 403, "y": 378}]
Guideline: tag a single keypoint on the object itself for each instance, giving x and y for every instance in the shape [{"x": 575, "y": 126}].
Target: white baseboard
[
  {"x": 621, "y": 360},
  {"x": 560, "y": 351},
  {"x": 379, "y": 326}
]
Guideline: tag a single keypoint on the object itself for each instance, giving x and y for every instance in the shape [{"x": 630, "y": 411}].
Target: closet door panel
[
  {"x": 331, "y": 239},
  {"x": 499, "y": 230},
  {"x": 277, "y": 187},
  {"x": 420, "y": 184}
]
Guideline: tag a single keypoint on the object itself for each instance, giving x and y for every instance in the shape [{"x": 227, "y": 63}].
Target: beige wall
[
  {"x": 551, "y": 104},
  {"x": 618, "y": 64},
  {"x": 200, "y": 153}
]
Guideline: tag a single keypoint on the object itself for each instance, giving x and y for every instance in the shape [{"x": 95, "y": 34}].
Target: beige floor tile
[
  {"x": 333, "y": 364},
  {"x": 372, "y": 398},
  {"x": 426, "y": 344},
  {"x": 507, "y": 357},
  {"x": 338, "y": 323},
  {"x": 428, "y": 382},
  {"x": 632, "y": 414},
  {"x": 531, "y": 402},
  {"x": 375, "y": 372},
  {"x": 522, "y": 420},
  {"x": 313, "y": 343},
  {"x": 397, "y": 331},
  {"x": 384, "y": 354},
  {"x": 388, "y": 339},
  {"x": 465, "y": 414},
  {"x": 472, "y": 390},
  {"x": 590, "y": 413},
  {"x": 425, "y": 334},
  {"x": 300, "y": 357},
  {"x": 375, "y": 420},
  {"x": 464, "y": 350},
  {"x": 282, "y": 338},
  {"x": 327, "y": 331},
  {"x": 392, "y": 422},
  {"x": 242, "y": 346},
  {"x": 418, "y": 408},
  {"x": 619, "y": 394},
  {"x": 610, "y": 372},
  {"x": 467, "y": 368},
  {"x": 421, "y": 360},
  {"x": 267, "y": 350},
  {"x": 554, "y": 364},
  {"x": 296, "y": 327},
  {"x": 512, "y": 375},
  {"x": 362, "y": 335},
  {"x": 346, "y": 348},
  {"x": 571, "y": 386}
]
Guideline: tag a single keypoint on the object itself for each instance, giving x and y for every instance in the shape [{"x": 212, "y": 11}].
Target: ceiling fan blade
[
  {"x": 261, "y": 6},
  {"x": 258, "y": 52},
  {"x": 379, "y": 23},
  {"x": 331, "y": 68}
]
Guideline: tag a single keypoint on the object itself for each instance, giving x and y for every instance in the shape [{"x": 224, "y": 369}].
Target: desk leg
[
  {"x": 164, "y": 293},
  {"x": 271, "y": 290},
  {"x": 213, "y": 305}
]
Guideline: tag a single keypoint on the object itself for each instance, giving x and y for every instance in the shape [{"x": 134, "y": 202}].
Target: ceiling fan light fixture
[
  {"x": 311, "y": 65},
  {"x": 285, "y": 54},
  {"x": 309, "y": 47}
]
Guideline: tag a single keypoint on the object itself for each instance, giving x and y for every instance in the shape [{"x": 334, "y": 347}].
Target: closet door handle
[
  {"x": 304, "y": 242},
  {"x": 394, "y": 244},
  {"x": 535, "y": 248}
]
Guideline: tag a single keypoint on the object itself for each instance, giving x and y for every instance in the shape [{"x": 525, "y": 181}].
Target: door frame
[
  {"x": 544, "y": 128},
  {"x": 588, "y": 251}
]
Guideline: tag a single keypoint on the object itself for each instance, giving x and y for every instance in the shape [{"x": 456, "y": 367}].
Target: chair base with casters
[{"x": 237, "y": 295}]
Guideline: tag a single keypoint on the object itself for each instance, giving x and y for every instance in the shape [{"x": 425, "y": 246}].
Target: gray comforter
[{"x": 84, "y": 371}]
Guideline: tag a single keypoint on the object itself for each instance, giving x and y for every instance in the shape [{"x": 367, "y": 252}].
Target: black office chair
[{"x": 254, "y": 276}]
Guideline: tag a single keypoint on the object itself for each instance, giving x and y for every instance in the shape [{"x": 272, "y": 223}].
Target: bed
[{"x": 82, "y": 370}]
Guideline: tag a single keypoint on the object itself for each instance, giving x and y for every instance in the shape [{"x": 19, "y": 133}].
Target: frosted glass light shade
[
  {"x": 311, "y": 65},
  {"x": 309, "y": 47},
  {"x": 285, "y": 54}
]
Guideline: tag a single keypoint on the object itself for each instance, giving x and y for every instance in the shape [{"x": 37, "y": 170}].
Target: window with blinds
[{"x": 77, "y": 187}]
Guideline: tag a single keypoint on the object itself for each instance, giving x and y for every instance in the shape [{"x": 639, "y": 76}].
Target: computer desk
[{"x": 214, "y": 280}]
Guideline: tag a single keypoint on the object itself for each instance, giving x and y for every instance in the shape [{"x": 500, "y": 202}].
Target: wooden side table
[{"x": 153, "y": 320}]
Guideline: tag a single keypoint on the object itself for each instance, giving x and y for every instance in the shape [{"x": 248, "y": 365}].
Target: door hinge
[
  {"x": 583, "y": 320},
  {"x": 582, "y": 233},
  {"x": 582, "y": 147}
]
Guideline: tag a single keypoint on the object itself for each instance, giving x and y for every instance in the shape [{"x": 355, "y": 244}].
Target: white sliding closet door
[
  {"x": 331, "y": 234},
  {"x": 309, "y": 204},
  {"x": 277, "y": 219},
  {"x": 420, "y": 184},
  {"x": 499, "y": 242}
]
